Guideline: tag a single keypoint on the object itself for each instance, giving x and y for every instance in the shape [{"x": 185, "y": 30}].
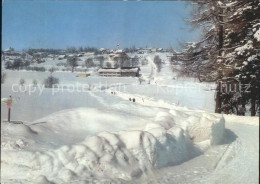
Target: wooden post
[
  {"x": 9, "y": 114},
  {"x": 9, "y": 105}
]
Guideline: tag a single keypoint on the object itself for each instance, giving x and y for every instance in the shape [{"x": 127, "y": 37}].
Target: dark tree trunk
[
  {"x": 243, "y": 107},
  {"x": 220, "y": 47},
  {"x": 218, "y": 99},
  {"x": 253, "y": 101}
]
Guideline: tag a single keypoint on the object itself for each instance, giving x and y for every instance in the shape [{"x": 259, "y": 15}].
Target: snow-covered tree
[
  {"x": 227, "y": 52},
  {"x": 242, "y": 45},
  {"x": 205, "y": 57}
]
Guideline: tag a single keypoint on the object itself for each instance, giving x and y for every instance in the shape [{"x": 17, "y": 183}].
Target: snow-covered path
[
  {"x": 240, "y": 163},
  {"x": 236, "y": 161}
]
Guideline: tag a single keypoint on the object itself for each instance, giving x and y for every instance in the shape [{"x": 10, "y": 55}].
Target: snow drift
[{"x": 124, "y": 154}]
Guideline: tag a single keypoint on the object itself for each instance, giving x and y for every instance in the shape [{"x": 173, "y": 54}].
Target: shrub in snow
[
  {"x": 17, "y": 63},
  {"x": 52, "y": 69},
  {"x": 36, "y": 68},
  {"x": 35, "y": 82},
  {"x": 140, "y": 79},
  {"x": 8, "y": 64},
  {"x": 22, "y": 82},
  {"x": 51, "y": 81}
]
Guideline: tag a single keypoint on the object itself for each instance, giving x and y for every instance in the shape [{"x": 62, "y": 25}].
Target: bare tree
[
  {"x": 72, "y": 62},
  {"x": 89, "y": 62},
  {"x": 158, "y": 62},
  {"x": 108, "y": 65}
]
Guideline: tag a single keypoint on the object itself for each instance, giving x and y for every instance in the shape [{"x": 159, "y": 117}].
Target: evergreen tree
[
  {"x": 227, "y": 53},
  {"x": 242, "y": 49}
]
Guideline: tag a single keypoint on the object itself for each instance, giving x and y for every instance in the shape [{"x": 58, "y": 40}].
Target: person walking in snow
[{"x": 133, "y": 99}]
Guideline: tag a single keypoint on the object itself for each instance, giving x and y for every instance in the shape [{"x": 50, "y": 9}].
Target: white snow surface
[
  {"x": 168, "y": 135},
  {"x": 124, "y": 154}
]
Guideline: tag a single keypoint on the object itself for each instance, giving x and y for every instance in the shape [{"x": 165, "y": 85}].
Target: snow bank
[
  {"x": 125, "y": 154},
  {"x": 248, "y": 120},
  {"x": 205, "y": 128}
]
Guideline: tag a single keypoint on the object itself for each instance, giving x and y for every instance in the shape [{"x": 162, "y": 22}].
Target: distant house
[
  {"x": 119, "y": 72},
  {"x": 104, "y": 51},
  {"x": 50, "y": 56},
  {"x": 81, "y": 54},
  {"x": 10, "y": 52},
  {"x": 89, "y": 54},
  {"x": 140, "y": 52},
  {"x": 62, "y": 52},
  {"x": 60, "y": 57},
  {"x": 159, "y": 50}
]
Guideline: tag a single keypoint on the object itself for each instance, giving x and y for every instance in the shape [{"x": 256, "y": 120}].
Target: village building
[
  {"x": 11, "y": 52},
  {"x": 8, "y": 50},
  {"x": 81, "y": 54},
  {"x": 89, "y": 54},
  {"x": 104, "y": 51},
  {"x": 60, "y": 57},
  {"x": 119, "y": 72},
  {"x": 159, "y": 50}
]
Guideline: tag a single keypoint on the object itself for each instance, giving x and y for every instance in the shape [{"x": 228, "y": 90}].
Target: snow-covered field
[{"x": 168, "y": 135}]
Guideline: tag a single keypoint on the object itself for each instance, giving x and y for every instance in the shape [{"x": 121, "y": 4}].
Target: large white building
[{"x": 119, "y": 72}]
